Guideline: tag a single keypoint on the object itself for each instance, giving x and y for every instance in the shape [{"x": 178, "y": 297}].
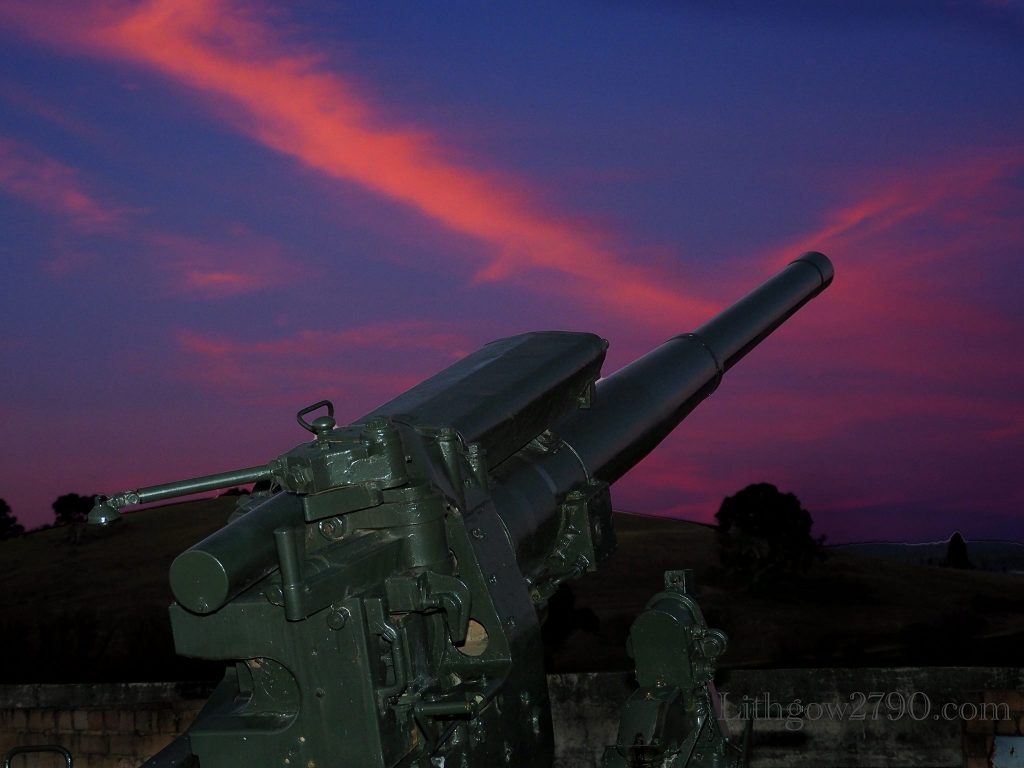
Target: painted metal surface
[{"x": 380, "y": 605}]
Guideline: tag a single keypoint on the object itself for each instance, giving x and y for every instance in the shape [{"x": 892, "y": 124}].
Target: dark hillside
[
  {"x": 95, "y": 608},
  {"x": 847, "y": 611}
]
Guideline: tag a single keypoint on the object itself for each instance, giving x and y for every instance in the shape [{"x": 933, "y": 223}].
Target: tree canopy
[
  {"x": 9, "y": 525},
  {"x": 764, "y": 533},
  {"x": 71, "y": 508},
  {"x": 956, "y": 552}
]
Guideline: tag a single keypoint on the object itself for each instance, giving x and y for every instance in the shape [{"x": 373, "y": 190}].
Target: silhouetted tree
[
  {"x": 71, "y": 508},
  {"x": 956, "y": 552},
  {"x": 763, "y": 534},
  {"x": 9, "y": 525}
]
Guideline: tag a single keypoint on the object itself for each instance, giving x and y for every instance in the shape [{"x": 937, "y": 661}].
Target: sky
[{"x": 214, "y": 213}]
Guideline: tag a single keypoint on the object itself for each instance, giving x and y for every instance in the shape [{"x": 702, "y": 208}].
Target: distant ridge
[{"x": 984, "y": 554}]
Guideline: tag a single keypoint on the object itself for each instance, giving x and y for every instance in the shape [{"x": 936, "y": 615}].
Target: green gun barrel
[
  {"x": 639, "y": 405},
  {"x": 507, "y": 393},
  {"x": 206, "y": 576},
  {"x": 636, "y": 407},
  {"x": 417, "y": 546}
]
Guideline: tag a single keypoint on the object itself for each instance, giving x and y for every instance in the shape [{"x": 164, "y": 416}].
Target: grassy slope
[
  {"x": 848, "y": 611},
  {"x": 97, "y": 609}
]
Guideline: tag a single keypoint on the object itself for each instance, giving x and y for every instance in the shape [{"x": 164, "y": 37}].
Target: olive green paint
[{"x": 379, "y": 606}]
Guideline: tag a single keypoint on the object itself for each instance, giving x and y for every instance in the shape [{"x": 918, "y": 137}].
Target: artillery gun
[{"x": 380, "y": 605}]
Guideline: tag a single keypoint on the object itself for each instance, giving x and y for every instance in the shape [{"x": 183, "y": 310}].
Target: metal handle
[
  {"x": 309, "y": 409},
  {"x": 11, "y": 754}
]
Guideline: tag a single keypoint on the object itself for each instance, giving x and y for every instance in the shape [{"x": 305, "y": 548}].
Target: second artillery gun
[{"x": 380, "y": 605}]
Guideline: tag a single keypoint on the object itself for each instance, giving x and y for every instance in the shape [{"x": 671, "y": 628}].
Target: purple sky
[{"x": 215, "y": 213}]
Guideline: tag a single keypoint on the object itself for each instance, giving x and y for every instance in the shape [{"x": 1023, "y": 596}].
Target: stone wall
[
  {"x": 995, "y": 735},
  {"x": 801, "y": 718},
  {"x": 940, "y": 717},
  {"x": 909, "y": 717},
  {"x": 103, "y": 726}
]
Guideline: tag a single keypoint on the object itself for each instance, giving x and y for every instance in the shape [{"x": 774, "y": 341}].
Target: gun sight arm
[{"x": 107, "y": 509}]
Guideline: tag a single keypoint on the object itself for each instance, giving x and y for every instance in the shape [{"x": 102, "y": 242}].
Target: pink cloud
[
  {"x": 897, "y": 226},
  {"x": 33, "y": 177},
  {"x": 911, "y": 256},
  {"x": 307, "y": 365},
  {"x": 393, "y": 335},
  {"x": 239, "y": 262},
  {"x": 282, "y": 95},
  {"x": 28, "y": 101},
  {"x": 206, "y": 268}
]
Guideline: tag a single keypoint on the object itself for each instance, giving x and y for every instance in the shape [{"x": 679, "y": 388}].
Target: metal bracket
[
  {"x": 586, "y": 538},
  {"x": 431, "y": 592}
]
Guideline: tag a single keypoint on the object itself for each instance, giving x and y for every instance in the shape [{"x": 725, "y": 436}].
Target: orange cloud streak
[
  {"x": 203, "y": 268},
  {"x": 942, "y": 198},
  {"x": 240, "y": 264},
  {"x": 307, "y": 365},
  {"x": 908, "y": 254},
  {"x": 31, "y": 176},
  {"x": 279, "y": 94},
  {"x": 306, "y": 343}
]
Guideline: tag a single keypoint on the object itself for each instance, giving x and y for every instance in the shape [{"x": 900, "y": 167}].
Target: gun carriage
[{"x": 380, "y": 603}]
